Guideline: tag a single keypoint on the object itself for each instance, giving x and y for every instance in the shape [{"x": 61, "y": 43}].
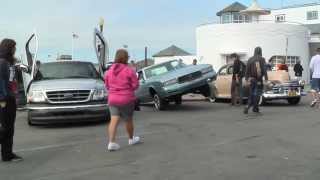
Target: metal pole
[
  {"x": 287, "y": 46},
  {"x": 72, "y": 44},
  {"x": 146, "y": 56}
]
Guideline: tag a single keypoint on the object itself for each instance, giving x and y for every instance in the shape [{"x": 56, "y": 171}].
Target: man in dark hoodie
[
  {"x": 255, "y": 72},
  {"x": 8, "y": 90}
]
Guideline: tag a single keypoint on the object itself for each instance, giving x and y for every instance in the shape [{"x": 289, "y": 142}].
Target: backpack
[{"x": 242, "y": 69}]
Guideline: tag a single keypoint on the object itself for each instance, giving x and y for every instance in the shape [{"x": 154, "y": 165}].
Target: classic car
[
  {"x": 168, "y": 81},
  {"x": 278, "y": 87},
  {"x": 65, "y": 91}
]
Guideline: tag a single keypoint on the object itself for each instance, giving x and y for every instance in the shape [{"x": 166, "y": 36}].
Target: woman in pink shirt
[{"x": 121, "y": 82}]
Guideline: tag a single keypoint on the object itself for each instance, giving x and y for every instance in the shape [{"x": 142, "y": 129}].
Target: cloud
[{"x": 136, "y": 23}]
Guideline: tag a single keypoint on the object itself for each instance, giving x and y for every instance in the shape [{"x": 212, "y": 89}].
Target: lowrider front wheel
[
  {"x": 294, "y": 101},
  {"x": 160, "y": 104}
]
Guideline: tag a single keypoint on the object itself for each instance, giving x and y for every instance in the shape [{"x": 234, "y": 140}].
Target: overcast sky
[{"x": 136, "y": 23}]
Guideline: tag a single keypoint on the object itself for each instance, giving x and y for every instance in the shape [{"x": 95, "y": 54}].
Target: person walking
[
  {"x": 237, "y": 76},
  {"x": 255, "y": 72},
  {"x": 298, "y": 69},
  {"x": 121, "y": 82},
  {"x": 8, "y": 91},
  {"x": 315, "y": 69}
]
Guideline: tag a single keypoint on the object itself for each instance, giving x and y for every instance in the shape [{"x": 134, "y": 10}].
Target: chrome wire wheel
[{"x": 157, "y": 102}]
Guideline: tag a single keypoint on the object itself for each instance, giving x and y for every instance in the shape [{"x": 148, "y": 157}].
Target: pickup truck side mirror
[{"x": 23, "y": 68}]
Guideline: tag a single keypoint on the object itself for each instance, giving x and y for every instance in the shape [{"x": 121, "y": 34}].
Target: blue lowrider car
[{"x": 167, "y": 82}]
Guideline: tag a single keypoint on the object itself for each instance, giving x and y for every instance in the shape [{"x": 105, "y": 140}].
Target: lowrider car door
[
  {"x": 30, "y": 73},
  {"x": 223, "y": 82},
  {"x": 102, "y": 50},
  {"x": 143, "y": 93}
]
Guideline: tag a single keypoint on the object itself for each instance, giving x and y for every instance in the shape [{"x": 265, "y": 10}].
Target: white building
[
  {"x": 173, "y": 53},
  {"x": 291, "y": 34}
]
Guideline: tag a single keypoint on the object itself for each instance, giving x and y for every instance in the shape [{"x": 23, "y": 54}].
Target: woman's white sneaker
[
  {"x": 134, "y": 140},
  {"x": 113, "y": 146}
]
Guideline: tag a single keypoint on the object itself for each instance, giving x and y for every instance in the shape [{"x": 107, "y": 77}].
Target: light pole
[{"x": 101, "y": 24}]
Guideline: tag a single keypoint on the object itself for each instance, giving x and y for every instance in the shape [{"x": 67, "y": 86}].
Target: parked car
[
  {"x": 166, "y": 82},
  {"x": 65, "y": 91},
  {"x": 279, "y": 86}
]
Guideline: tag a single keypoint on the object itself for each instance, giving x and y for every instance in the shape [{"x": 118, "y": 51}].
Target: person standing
[
  {"x": 255, "y": 72},
  {"x": 315, "y": 69},
  {"x": 133, "y": 65},
  {"x": 195, "y": 62},
  {"x": 121, "y": 82},
  {"x": 237, "y": 76},
  {"x": 298, "y": 69},
  {"x": 9, "y": 90}
]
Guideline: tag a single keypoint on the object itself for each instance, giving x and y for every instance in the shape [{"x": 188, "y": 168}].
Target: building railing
[{"x": 253, "y": 21}]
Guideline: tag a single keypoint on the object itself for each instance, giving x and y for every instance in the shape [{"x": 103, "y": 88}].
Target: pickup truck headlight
[
  {"x": 206, "y": 70},
  {"x": 36, "y": 97},
  {"x": 170, "y": 82},
  {"x": 99, "y": 94}
]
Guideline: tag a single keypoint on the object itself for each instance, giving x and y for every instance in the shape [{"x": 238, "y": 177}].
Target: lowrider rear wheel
[
  {"x": 178, "y": 100},
  {"x": 160, "y": 104},
  {"x": 294, "y": 101}
]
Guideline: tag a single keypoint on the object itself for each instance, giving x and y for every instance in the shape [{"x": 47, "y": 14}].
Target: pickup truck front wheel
[
  {"x": 159, "y": 104},
  {"x": 30, "y": 123}
]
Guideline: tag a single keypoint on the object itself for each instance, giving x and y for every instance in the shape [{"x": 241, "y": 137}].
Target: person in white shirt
[{"x": 315, "y": 85}]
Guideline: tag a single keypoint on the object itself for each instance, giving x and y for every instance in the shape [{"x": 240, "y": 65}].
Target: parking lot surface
[{"x": 197, "y": 140}]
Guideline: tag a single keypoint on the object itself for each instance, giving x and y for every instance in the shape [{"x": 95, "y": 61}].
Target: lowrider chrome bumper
[{"x": 284, "y": 95}]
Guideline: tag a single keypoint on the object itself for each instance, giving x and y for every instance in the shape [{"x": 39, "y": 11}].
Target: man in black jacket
[
  {"x": 255, "y": 72},
  {"x": 237, "y": 77},
  {"x": 298, "y": 69},
  {"x": 8, "y": 89}
]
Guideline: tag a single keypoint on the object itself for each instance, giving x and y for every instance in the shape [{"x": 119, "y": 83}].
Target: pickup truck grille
[
  {"x": 190, "y": 77},
  {"x": 68, "y": 96}
]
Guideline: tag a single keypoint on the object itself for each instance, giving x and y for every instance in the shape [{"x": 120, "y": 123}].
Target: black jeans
[
  {"x": 255, "y": 92},
  {"x": 236, "y": 92},
  {"x": 8, "y": 117}
]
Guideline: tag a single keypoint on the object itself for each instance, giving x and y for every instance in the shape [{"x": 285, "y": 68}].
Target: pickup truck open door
[
  {"x": 31, "y": 70},
  {"x": 102, "y": 50}
]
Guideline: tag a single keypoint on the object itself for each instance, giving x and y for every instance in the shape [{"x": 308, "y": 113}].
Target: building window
[
  {"x": 239, "y": 18},
  {"x": 312, "y": 15},
  {"x": 226, "y": 18},
  {"x": 281, "y": 18},
  {"x": 290, "y": 60}
]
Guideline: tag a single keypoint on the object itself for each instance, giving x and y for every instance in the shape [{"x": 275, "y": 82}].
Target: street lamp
[{"x": 101, "y": 24}]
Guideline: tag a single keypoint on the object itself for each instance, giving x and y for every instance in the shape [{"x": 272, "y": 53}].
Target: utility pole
[
  {"x": 287, "y": 46},
  {"x": 146, "y": 56}
]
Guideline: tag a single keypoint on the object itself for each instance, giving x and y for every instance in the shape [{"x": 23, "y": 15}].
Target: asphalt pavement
[{"x": 197, "y": 140}]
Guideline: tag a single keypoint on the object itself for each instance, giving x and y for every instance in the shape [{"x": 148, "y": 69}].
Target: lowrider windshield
[
  {"x": 64, "y": 70},
  {"x": 163, "y": 68}
]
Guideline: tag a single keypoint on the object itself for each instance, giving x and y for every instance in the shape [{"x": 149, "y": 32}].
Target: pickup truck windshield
[
  {"x": 163, "y": 68},
  {"x": 65, "y": 70}
]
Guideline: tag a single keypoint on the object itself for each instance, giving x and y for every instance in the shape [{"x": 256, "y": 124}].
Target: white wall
[
  {"x": 186, "y": 59},
  {"x": 214, "y": 40},
  {"x": 298, "y": 14}
]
